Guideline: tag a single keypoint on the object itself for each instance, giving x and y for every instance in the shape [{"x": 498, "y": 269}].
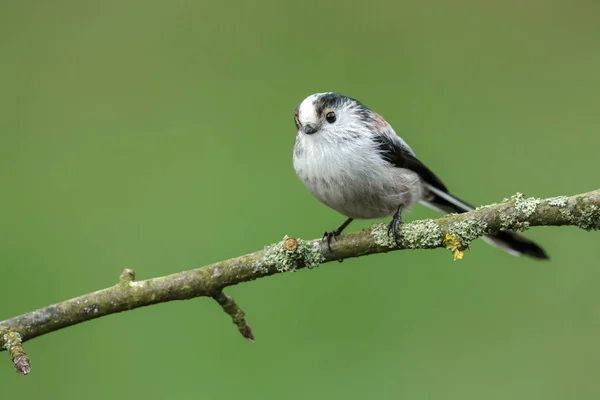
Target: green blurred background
[{"x": 158, "y": 136}]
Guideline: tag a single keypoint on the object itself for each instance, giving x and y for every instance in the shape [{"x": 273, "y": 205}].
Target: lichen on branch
[
  {"x": 13, "y": 343},
  {"x": 454, "y": 232}
]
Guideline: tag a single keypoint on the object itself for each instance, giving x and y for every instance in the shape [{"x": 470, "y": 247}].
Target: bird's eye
[{"x": 330, "y": 117}]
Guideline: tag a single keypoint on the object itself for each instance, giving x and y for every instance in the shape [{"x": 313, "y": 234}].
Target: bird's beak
[{"x": 309, "y": 129}]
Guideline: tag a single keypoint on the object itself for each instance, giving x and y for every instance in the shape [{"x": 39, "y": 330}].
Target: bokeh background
[{"x": 158, "y": 136}]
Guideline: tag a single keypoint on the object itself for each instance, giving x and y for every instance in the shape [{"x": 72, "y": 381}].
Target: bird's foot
[
  {"x": 335, "y": 233},
  {"x": 330, "y": 235},
  {"x": 394, "y": 227}
]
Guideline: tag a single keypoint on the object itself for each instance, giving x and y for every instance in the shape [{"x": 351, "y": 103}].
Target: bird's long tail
[{"x": 510, "y": 242}]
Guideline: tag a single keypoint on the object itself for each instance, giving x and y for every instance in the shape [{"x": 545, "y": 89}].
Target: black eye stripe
[{"x": 328, "y": 101}]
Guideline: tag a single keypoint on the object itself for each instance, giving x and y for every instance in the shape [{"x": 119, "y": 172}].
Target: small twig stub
[
  {"x": 14, "y": 345},
  {"x": 453, "y": 232}
]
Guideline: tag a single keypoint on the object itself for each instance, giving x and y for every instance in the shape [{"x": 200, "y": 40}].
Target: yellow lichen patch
[{"x": 453, "y": 244}]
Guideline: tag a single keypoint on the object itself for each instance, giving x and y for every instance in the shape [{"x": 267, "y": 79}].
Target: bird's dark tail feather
[{"x": 510, "y": 242}]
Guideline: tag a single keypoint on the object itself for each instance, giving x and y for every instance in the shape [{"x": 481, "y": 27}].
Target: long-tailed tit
[{"x": 351, "y": 160}]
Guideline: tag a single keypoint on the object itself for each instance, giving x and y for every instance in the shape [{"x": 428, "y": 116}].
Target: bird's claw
[
  {"x": 394, "y": 228},
  {"x": 330, "y": 235}
]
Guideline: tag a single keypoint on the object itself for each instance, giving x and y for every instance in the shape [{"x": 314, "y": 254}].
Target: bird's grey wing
[{"x": 395, "y": 151}]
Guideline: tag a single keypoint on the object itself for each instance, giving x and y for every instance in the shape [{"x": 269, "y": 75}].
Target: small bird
[{"x": 353, "y": 161}]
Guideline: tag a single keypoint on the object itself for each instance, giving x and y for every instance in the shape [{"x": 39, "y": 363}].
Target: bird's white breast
[{"x": 352, "y": 179}]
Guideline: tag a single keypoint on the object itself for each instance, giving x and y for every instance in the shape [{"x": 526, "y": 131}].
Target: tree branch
[{"x": 454, "y": 232}]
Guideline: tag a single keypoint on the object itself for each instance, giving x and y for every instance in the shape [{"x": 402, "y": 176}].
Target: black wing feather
[{"x": 401, "y": 157}]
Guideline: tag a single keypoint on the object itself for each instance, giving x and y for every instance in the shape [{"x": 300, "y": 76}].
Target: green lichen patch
[
  {"x": 566, "y": 213},
  {"x": 307, "y": 253},
  {"x": 425, "y": 234},
  {"x": 468, "y": 230},
  {"x": 485, "y": 206},
  {"x": 12, "y": 343},
  {"x": 523, "y": 209},
  {"x": 525, "y": 206},
  {"x": 560, "y": 201},
  {"x": 511, "y": 222},
  {"x": 11, "y": 339},
  {"x": 588, "y": 217}
]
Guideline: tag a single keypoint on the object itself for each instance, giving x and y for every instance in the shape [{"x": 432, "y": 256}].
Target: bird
[{"x": 351, "y": 159}]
